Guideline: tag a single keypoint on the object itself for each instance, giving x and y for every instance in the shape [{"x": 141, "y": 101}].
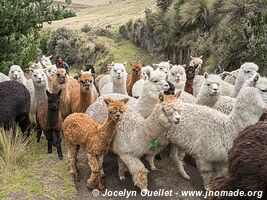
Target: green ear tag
[{"x": 154, "y": 143}]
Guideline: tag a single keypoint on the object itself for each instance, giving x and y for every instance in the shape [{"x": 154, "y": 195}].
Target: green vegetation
[
  {"x": 29, "y": 172},
  {"x": 21, "y": 21},
  {"x": 226, "y": 32}
]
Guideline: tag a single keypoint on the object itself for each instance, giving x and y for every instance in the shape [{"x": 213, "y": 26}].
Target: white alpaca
[
  {"x": 17, "y": 74},
  {"x": 145, "y": 104},
  {"x": 208, "y": 134},
  {"x": 177, "y": 76},
  {"x": 163, "y": 67},
  {"x": 103, "y": 81},
  {"x": 119, "y": 79},
  {"x": 3, "y": 77},
  {"x": 210, "y": 94},
  {"x": 246, "y": 71},
  {"x": 40, "y": 84},
  {"x": 135, "y": 135},
  {"x": 138, "y": 86},
  {"x": 45, "y": 61}
]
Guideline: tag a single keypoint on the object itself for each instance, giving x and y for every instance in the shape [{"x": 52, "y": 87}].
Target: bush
[
  {"x": 76, "y": 50},
  {"x": 86, "y": 28}
]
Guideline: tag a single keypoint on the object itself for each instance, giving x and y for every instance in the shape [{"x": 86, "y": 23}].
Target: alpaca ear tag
[{"x": 154, "y": 143}]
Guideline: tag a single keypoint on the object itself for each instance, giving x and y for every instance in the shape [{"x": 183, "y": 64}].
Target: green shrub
[{"x": 86, "y": 28}]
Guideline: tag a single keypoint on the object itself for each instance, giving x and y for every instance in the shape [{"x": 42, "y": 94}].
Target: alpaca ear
[
  {"x": 256, "y": 78},
  {"x": 125, "y": 63},
  {"x": 82, "y": 71},
  {"x": 200, "y": 56},
  {"x": 155, "y": 66},
  {"x": 171, "y": 65},
  {"x": 178, "y": 94},
  {"x": 148, "y": 73},
  {"x": 48, "y": 93},
  {"x": 184, "y": 65},
  {"x": 59, "y": 92},
  {"x": 50, "y": 56},
  {"x": 168, "y": 61},
  {"x": 125, "y": 100},
  {"x": 206, "y": 75},
  {"x": 192, "y": 57},
  {"x": 108, "y": 101},
  {"x": 161, "y": 96},
  {"x": 142, "y": 64}
]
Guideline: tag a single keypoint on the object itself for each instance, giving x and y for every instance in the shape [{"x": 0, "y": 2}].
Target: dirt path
[{"x": 166, "y": 178}]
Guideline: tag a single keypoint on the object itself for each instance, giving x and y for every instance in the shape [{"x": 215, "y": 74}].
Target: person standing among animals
[
  {"x": 90, "y": 67},
  {"x": 62, "y": 64}
]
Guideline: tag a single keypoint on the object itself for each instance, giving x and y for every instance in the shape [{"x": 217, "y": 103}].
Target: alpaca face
[
  {"x": 116, "y": 108},
  {"x": 163, "y": 67},
  {"x": 212, "y": 84},
  {"x": 118, "y": 71},
  {"x": 136, "y": 69},
  {"x": 190, "y": 72},
  {"x": 86, "y": 81},
  {"x": 39, "y": 78},
  {"x": 169, "y": 109},
  {"x": 246, "y": 71},
  {"x": 51, "y": 70},
  {"x": 53, "y": 100},
  {"x": 177, "y": 74},
  {"x": 15, "y": 73},
  {"x": 262, "y": 87},
  {"x": 45, "y": 61},
  {"x": 61, "y": 75},
  {"x": 144, "y": 71},
  {"x": 196, "y": 62}
]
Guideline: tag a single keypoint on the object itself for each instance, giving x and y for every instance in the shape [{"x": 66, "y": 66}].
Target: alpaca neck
[
  {"x": 39, "y": 93},
  {"x": 145, "y": 104},
  {"x": 107, "y": 131},
  {"x": 119, "y": 85},
  {"x": 248, "y": 109},
  {"x": 52, "y": 118},
  {"x": 207, "y": 100},
  {"x": 155, "y": 127},
  {"x": 85, "y": 100},
  {"x": 189, "y": 85}
]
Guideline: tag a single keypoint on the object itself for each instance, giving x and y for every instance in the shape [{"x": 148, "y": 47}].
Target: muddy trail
[{"x": 167, "y": 178}]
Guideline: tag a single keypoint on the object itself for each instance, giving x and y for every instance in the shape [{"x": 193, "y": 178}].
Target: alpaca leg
[
  {"x": 151, "y": 157},
  {"x": 137, "y": 169},
  {"x": 39, "y": 132},
  {"x": 72, "y": 153},
  {"x": 95, "y": 171},
  {"x": 100, "y": 162},
  {"x": 177, "y": 156},
  {"x": 57, "y": 141},
  {"x": 49, "y": 141},
  {"x": 25, "y": 125},
  {"x": 206, "y": 171},
  {"x": 122, "y": 169}
]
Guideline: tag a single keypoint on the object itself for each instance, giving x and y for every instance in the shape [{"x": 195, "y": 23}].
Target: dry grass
[
  {"x": 99, "y": 14},
  {"x": 12, "y": 150}
]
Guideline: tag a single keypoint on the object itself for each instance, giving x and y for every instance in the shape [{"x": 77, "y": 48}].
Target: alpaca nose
[{"x": 177, "y": 120}]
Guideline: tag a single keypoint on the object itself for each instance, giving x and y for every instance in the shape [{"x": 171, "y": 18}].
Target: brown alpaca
[
  {"x": 81, "y": 130},
  {"x": 49, "y": 120},
  {"x": 133, "y": 77},
  {"x": 191, "y": 71},
  {"x": 247, "y": 169},
  {"x": 61, "y": 81},
  {"x": 82, "y": 97}
]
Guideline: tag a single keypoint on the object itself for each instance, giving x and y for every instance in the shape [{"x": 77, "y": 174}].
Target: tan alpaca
[
  {"x": 61, "y": 81},
  {"x": 82, "y": 97},
  {"x": 80, "y": 130},
  {"x": 133, "y": 77}
]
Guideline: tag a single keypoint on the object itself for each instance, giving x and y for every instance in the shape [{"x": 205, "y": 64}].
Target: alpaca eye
[
  {"x": 208, "y": 84},
  {"x": 12, "y": 71},
  {"x": 155, "y": 81},
  {"x": 35, "y": 75}
]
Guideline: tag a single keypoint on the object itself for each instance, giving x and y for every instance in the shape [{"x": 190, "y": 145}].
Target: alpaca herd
[{"x": 212, "y": 117}]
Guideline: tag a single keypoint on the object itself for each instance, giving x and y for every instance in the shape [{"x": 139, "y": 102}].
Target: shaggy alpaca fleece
[
  {"x": 211, "y": 135},
  {"x": 163, "y": 67},
  {"x": 247, "y": 164},
  {"x": 14, "y": 106},
  {"x": 133, "y": 138},
  {"x": 133, "y": 77},
  {"x": 246, "y": 71},
  {"x": 3, "y": 77},
  {"x": 82, "y": 97},
  {"x": 81, "y": 130}
]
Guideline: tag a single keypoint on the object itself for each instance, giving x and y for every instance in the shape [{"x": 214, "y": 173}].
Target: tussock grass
[{"x": 12, "y": 150}]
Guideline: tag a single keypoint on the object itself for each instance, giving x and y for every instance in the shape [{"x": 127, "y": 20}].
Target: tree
[{"x": 20, "y": 23}]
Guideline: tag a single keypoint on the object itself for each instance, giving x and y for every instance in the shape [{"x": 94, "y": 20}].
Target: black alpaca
[{"x": 49, "y": 120}]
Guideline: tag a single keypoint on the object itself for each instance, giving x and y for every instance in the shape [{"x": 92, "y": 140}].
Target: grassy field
[{"x": 38, "y": 175}]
